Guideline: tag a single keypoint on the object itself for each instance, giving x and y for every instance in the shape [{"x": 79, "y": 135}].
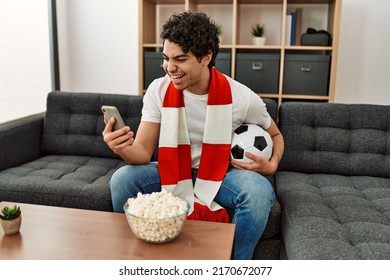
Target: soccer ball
[{"x": 250, "y": 138}]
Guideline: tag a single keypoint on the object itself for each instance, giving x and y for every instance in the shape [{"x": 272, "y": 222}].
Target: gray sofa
[
  {"x": 59, "y": 158},
  {"x": 334, "y": 181}
]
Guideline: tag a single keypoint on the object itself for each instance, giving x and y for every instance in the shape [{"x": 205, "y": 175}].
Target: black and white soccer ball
[{"x": 250, "y": 138}]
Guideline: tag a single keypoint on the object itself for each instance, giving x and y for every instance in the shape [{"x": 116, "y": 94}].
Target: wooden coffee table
[{"x": 72, "y": 234}]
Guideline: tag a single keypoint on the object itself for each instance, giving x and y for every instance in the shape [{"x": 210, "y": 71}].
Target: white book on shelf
[{"x": 287, "y": 40}]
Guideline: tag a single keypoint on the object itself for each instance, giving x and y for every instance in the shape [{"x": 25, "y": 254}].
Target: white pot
[
  {"x": 11, "y": 227},
  {"x": 259, "y": 41}
]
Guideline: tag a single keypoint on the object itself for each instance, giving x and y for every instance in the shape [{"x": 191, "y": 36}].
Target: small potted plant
[
  {"x": 258, "y": 31},
  {"x": 218, "y": 28},
  {"x": 11, "y": 219}
]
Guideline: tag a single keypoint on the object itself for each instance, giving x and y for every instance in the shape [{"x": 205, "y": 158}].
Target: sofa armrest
[{"x": 20, "y": 140}]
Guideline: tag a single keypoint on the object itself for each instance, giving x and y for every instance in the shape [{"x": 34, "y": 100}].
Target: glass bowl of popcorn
[{"x": 158, "y": 217}]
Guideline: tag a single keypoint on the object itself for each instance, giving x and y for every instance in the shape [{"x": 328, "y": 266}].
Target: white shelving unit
[{"x": 236, "y": 18}]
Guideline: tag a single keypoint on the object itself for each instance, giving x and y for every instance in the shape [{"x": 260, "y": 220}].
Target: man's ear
[{"x": 207, "y": 58}]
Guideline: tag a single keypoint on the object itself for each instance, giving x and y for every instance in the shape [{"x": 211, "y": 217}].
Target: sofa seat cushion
[
  {"x": 273, "y": 225},
  {"x": 61, "y": 180},
  {"x": 334, "y": 216}
]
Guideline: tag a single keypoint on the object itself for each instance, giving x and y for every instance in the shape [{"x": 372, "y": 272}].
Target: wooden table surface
[{"x": 72, "y": 234}]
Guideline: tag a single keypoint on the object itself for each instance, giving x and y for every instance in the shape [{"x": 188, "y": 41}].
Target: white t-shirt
[{"x": 247, "y": 106}]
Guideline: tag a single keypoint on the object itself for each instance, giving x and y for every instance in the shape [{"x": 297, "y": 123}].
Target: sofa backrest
[
  {"x": 345, "y": 139},
  {"x": 74, "y": 121},
  {"x": 272, "y": 108}
]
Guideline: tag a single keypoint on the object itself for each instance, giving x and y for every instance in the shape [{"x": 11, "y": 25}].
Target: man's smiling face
[{"x": 185, "y": 70}]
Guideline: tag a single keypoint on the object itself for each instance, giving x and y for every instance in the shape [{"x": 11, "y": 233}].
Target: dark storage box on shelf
[
  {"x": 223, "y": 62},
  {"x": 258, "y": 71},
  {"x": 306, "y": 74},
  {"x": 153, "y": 67}
]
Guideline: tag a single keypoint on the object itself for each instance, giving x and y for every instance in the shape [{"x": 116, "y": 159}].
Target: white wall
[
  {"x": 24, "y": 58},
  {"x": 98, "y": 45},
  {"x": 363, "y": 74}
]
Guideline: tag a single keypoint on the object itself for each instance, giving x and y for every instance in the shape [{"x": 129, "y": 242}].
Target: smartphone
[{"x": 112, "y": 111}]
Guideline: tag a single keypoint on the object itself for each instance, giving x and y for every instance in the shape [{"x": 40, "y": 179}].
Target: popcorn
[{"x": 156, "y": 217}]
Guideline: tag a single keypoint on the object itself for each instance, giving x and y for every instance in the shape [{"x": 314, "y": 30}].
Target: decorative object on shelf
[
  {"x": 312, "y": 37},
  {"x": 219, "y": 31},
  {"x": 258, "y": 31},
  {"x": 11, "y": 219}
]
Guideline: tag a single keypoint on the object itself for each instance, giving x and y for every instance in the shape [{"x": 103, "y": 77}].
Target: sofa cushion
[
  {"x": 74, "y": 122},
  {"x": 274, "y": 219},
  {"x": 67, "y": 181},
  {"x": 272, "y": 108},
  {"x": 336, "y": 138},
  {"x": 333, "y": 216}
]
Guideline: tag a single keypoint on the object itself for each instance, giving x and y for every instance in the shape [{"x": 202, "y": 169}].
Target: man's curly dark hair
[{"x": 193, "y": 31}]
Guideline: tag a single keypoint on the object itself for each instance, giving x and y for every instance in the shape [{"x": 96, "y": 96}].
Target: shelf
[
  {"x": 268, "y": 95},
  {"x": 153, "y": 45},
  {"x": 260, "y": 2},
  {"x": 305, "y": 97},
  {"x": 307, "y": 48},
  {"x": 309, "y": 1},
  {"x": 213, "y": 2},
  {"x": 165, "y": 2},
  {"x": 254, "y": 47},
  {"x": 236, "y": 18}
]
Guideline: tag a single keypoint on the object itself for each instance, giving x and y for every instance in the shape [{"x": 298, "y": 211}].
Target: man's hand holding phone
[{"x": 116, "y": 134}]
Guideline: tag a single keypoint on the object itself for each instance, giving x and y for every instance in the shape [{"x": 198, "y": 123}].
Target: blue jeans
[{"x": 250, "y": 195}]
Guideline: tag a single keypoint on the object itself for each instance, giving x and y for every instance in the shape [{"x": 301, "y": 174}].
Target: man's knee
[
  {"x": 119, "y": 176},
  {"x": 261, "y": 192}
]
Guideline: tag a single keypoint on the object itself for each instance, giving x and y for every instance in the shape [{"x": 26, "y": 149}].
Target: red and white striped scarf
[{"x": 174, "y": 154}]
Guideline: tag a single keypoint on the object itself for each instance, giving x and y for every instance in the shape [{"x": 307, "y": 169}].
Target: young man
[{"x": 191, "y": 113}]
